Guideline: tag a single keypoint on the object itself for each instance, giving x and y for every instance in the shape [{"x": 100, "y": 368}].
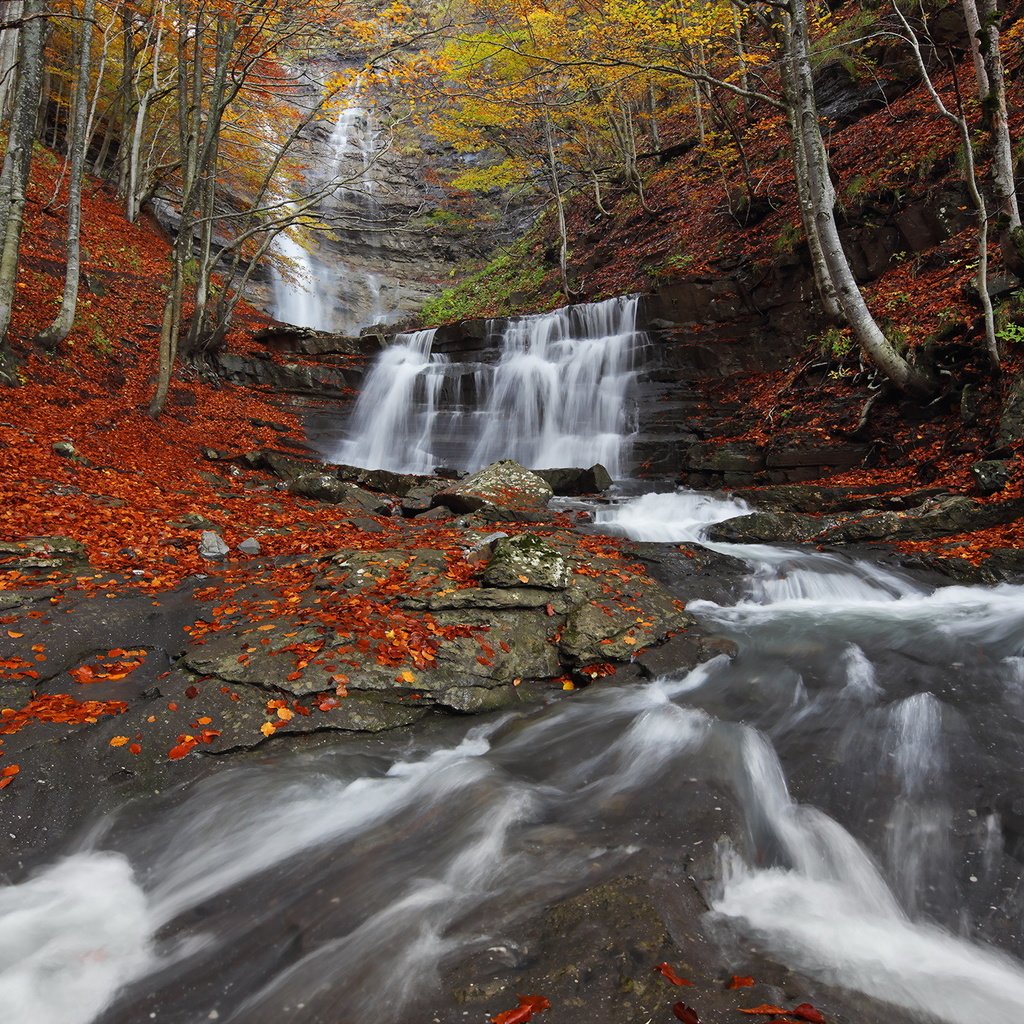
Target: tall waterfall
[
  {"x": 335, "y": 295},
  {"x": 558, "y": 395}
]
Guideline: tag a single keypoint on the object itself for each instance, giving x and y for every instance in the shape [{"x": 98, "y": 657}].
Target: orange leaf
[
  {"x": 13, "y": 635},
  {"x": 118, "y": 741},
  {"x": 205, "y": 720},
  {"x": 807, "y": 1012},
  {"x": 528, "y": 1006},
  {"x": 665, "y": 970},
  {"x": 268, "y": 728},
  {"x": 766, "y": 1010},
  {"x": 10, "y": 771},
  {"x": 134, "y": 748},
  {"x": 180, "y": 751},
  {"x": 4, "y": 783},
  {"x": 407, "y": 677},
  {"x": 285, "y": 714},
  {"x": 738, "y": 981}
]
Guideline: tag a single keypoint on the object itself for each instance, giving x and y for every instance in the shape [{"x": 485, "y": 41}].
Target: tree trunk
[
  {"x": 556, "y": 188},
  {"x": 62, "y": 324},
  {"x": 994, "y": 106},
  {"x": 18, "y": 160},
  {"x": 9, "y": 56},
  {"x": 822, "y": 198}
]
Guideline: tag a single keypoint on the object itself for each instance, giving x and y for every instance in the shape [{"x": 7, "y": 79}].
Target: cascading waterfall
[
  {"x": 559, "y": 395},
  {"x": 337, "y": 297}
]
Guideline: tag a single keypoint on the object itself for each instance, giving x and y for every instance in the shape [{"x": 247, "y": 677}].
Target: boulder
[
  {"x": 211, "y": 546},
  {"x": 329, "y": 489},
  {"x": 572, "y": 482},
  {"x": 502, "y": 485},
  {"x": 250, "y": 546},
  {"x": 769, "y": 528},
  {"x": 992, "y": 475},
  {"x": 386, "y": 482},
  {"x": 527, "y": 560}
]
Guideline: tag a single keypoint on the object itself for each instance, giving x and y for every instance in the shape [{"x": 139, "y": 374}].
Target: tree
[
  {"x": 17, "y": 164},
  {"x": 78, "y": 140}
]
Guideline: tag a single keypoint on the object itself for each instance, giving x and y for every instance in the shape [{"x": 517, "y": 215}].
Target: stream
[
  {"x": 842, "y": 800},
  {"x": 851, "y": 781}
]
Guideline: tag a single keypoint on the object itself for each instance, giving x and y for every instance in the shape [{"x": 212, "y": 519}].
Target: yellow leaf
[
  {"x": 285, "y": 714},
  {"x": 408, "y": 677},
  {"x": 567, "y": 685},
  {"x": 268, "y": 728},
  {"x": 629, "y": 640},
  {"x": 118, "y": 741}
]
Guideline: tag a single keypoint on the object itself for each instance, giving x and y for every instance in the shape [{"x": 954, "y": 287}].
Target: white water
[
  {"x": 559, "y": 395},
  {"x": 338, "y": 296}
]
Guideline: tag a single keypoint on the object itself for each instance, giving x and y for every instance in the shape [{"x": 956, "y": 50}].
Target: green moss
[{"x": 512, "y": 282}]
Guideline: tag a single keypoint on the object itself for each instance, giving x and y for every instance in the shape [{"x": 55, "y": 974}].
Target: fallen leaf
[
  {"x": 118, "y": 741},
  {"x": 687, "y": 1014},
  {"x": 739, "y": 981},
  {"x": 268, "y": 728},
  {"x": 180, "y": 751},
  {"x": 528, "y": 1006},
  {"x": 807, "y": 1012},
  {"x": 407, "y": 677},
  {"x": 285, "y": 714},
  {"x": 768, "y": 1011},
  {"x": 13, "y": 635},
  {"x": 665, "y": 970},
  {"x": 135, "y": 748},
  {"x": 10, "y": 771}
]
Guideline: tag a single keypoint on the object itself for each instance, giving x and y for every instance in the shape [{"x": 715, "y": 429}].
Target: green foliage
[
  {"x": 1010, "y": 319},
  {"x": 671, "y": 265},
  {"x": 834, "y": 343},
  {"x": 790, "y": 236},
  {"x": 101, "y": 342},
  {"x": 510, "y": 283}
]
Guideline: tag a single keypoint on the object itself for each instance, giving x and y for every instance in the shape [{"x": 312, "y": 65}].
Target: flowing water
[
  {"x": 850, "y": 782},
  {"x": 863, "y": 752},
  {"x": 558, "y": 393}
]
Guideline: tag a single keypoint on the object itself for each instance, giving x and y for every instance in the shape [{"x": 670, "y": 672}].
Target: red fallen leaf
[
  {"x": 766, "y": 1010},
  {"x": 665, "y": 970},
  {"x": 687, "y": 1014},
  {"x": 550, "y": 609},
  {"x": 528, "y": 1006},
  {"x": 192, "y": 692},
  {"x": 10, "y": 771},
  {"x": 134, "y": 748},
  {"x": 180, "y": 751},
  {"x": 739, "y": 981},
  {"x": 807, "y": 1012},
  {"x": 4, "y": 783}
]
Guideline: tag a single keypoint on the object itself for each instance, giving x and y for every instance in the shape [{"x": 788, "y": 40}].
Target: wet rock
[
  {"x": 286, "y": 467},
  {"x": 934, "y": 519},
  {"x": 386, "y": 482},
  {"x": 526, "y": 560},
  {"x": 683, "y": 653},
  {"x": 42, "y": 553},
  {"x": 329, "y": 489},
  {"x": 970, "y": 405},
  {"x": 250, "y": 546},
  {"x": 992, "y": 475},
  {"x": 616, "y": 631},
  {"x": 503, "y": 486},
  {"x": 211, "y": 546},
  {"x": 573, "y": 482},
  {"x": 417, "y": 500},
  {"x": 65, "y": 449},
  {"x": 768, "y": 528}
]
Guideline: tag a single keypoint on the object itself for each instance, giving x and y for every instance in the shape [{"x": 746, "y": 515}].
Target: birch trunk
[
  {"x": 18, "y": 160},
  {"x": 79, "y": 138},
  {"x": 12, "y": 11},
  {"x": 822, "y": 199}
]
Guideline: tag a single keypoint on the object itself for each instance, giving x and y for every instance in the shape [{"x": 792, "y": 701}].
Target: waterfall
[
  {"x": 335, "y": 296},
  {"x": 558, "y": 395}
]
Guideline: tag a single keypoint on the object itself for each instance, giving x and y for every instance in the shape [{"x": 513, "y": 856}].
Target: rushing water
[
  {"x": 861, "y": 755},
  {"x": 559, "y": 394}
]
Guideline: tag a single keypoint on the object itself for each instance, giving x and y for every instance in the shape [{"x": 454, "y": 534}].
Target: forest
[{"x": 511, "y": 510}]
